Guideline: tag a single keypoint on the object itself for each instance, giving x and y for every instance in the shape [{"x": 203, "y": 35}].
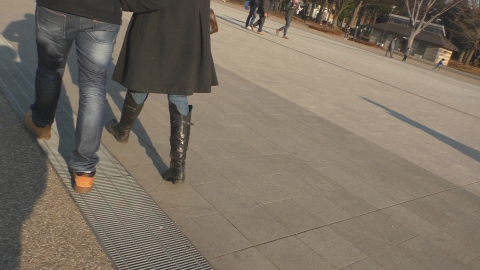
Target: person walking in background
[
  {"x": 347, "y": 31},
  {"x": 355, "y": 33},
  {"x": 252, "y": 4},
  {"x": 359, "y": 36},
  {"x": 93, "y": 27},
  {"x": 262, "y": 11},
  {"x": 304, "y": 14},
  {"x": 291, "y": 6},
  {"x": 391, "y": 47},
  {"x": 405, "y": 54},
  {"x": 439, "y": 65},
  {"x": 156, "y": 58}
]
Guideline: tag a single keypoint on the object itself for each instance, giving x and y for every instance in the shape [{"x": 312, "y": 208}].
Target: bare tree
[
  {"x": 465, "y": 19},
  {"x": 424, "y": 12}
]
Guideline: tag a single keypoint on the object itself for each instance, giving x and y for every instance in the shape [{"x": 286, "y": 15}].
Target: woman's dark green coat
[{"x": 167, "y": 51}]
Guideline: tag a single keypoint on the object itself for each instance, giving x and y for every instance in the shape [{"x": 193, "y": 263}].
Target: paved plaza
[{"x": 313, "y": 153}]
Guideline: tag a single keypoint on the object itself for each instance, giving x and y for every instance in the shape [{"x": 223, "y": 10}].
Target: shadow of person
[
  {"x": 462, "y": 148},
  {"x": 24, "y": 174}
]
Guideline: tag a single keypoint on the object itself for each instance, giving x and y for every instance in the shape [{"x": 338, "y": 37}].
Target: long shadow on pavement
[{"x": 464, "y": 149}]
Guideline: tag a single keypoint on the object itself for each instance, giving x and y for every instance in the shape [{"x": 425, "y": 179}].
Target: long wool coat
[{"x": 167, "y": 51}]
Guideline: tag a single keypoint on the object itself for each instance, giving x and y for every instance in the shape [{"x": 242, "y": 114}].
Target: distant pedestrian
[
  {"x": 347, "y": 31},
  {"x": 291, "y": 6},
  {"x": 262, "y": 11},
  {"x": 359, "y": 36},
  {"x": 391, "y": 47},
  {"x": 405, "y": 54},
  {"x": 439, "y": 65},
  {"x": 252, "y": 4},
  {"x": 355, "y": 33},
  {"x": 304, "y": 14}
]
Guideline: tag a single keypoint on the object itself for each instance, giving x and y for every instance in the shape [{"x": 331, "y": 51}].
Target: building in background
[{"x": 431, "y": 44}]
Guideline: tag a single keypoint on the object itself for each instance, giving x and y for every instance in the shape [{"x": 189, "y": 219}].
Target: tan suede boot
[{"x": 41, "y": 133}]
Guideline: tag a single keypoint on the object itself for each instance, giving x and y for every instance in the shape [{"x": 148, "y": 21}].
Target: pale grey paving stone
[
  {"x": 466, "y": 195},
  {"x": 371, "y": 196},
  {"x": 213, "y": 235},
  {"x": 404, "y": 184},
  {"x": 361, "y": 236},
  {"x": 292, "y": 216},
  {"x": 395, "y": 194},
  {"x": 323, "y": 208},
  {"x": 285, "y": 142},
  {"x": 444, "y": 206},
  {"x": 225, "y": 197},
  {"x": 337, "y": 251},
  {"x": 312, "y": 159},
  {"x": 395, "y": 258},
  {"x": 475, "y": 264},
  {"x": 341, "y": 177},
  {"x": 364, "y": 264},
  {"x": 357, "y": 155},
  {"x": 426, "y": 182},
  {"x": 237, "y": 172},
  {"x": 264, "y": 164},
  {"x": 430, "y": 255},
  {"x": 291, "y": 253},
  {"x": 199, "y": 171},
  {"x": 304, "y": 172},
  {"x": 250, "y": 259},
  {"x": 361, "y": 173},
  {"x": 462, "y": 233},
  {"x": 238, "y": 147},
  {"x": 409, "y": 220},
  {"x": 392, "y": 231},
  {"x": 258, "y": 142},
  {"x": 349, "y": 202},
  {"x": 257, "y": 225},
  {"x": 451, "y": 245},
  {"x": 289, "y": 184},
  {"x": 427, "y": 212},
  {"x": 265, "y": 194},
  {"x": 209, "y": 149},
  {"x": 377, "y": 169}
]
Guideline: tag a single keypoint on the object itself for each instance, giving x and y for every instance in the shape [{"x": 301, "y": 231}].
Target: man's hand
[{"x": 266, "y": 14}]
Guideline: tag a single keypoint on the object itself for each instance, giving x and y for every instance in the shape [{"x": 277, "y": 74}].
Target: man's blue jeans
[
  {"x": 94, "y": 40},
  {"x": 180, "y": 101}
]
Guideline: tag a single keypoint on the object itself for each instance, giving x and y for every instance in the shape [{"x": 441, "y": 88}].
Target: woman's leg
[
  {"x": 181, "y": 102},
  {"x": 132, "y": 106},
  {"x": 180, "y": 122}
]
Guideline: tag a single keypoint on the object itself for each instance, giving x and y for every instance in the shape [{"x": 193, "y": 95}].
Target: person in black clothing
[
  {"x": 263, "y": 8},
  {"x": 391, "y": 47},
  {"x": 252, "y": 14}
]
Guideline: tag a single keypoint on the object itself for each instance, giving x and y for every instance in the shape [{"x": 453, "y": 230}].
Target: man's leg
[
  {"x": 53, "y": 44},
  {"x": 250, "y": 15},
  {"x": 261, "y": 22},
  {"x": 94, "y": 49},
  {"x": 285, "y": 28}
]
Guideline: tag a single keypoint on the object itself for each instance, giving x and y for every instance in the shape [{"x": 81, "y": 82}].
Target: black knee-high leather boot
[
  {"x": 179, "y": 136},
  {"x": 130, "y": 111}
]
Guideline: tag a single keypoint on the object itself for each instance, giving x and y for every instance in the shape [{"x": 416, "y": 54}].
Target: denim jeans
[
  {"x": 180, "y": 101},
  {"x": 251, "y": 16},
  {"x": 260, "y": 22},
  {"x": 288, "y": 21},
  {"x": 94, "y": 40}
]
